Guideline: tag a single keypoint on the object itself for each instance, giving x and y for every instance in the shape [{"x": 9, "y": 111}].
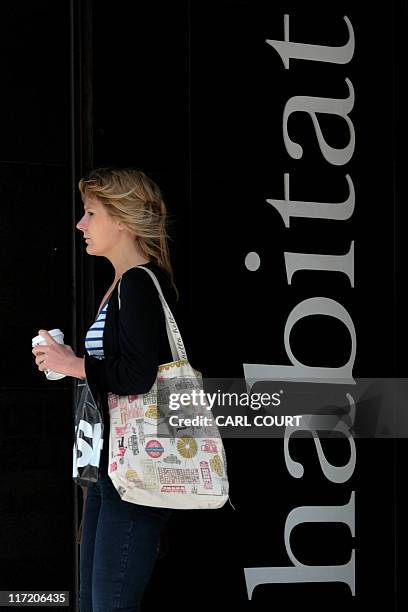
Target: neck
[{"x": 125, "y": 255}]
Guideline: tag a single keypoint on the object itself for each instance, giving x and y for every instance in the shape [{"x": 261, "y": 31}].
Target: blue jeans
[{"x": 118, "y": 550}]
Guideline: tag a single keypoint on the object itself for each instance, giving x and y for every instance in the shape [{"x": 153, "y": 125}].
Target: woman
[{"x": 125, "y": 221}]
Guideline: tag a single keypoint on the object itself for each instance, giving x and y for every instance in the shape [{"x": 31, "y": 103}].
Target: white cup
[{"x": 58, "y": 336}]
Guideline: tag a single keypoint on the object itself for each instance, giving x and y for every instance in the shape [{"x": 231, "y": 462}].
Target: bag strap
[{"x": 178, "y": 350}]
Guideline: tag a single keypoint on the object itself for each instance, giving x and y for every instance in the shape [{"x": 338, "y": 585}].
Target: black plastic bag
[{"x": 88, "y": 436}]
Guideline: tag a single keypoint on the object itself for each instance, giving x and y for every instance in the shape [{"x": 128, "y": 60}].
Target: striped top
[{"x": 94, "y": 336}]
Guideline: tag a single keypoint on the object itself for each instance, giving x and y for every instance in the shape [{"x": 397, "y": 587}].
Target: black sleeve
[{"x": 134, "y": 371}]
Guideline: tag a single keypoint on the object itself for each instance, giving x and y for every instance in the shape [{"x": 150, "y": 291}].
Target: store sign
[{"x": 315, "y": 305}]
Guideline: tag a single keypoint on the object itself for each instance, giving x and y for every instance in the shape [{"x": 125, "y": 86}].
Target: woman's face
[{"x": 99, "y": 228}]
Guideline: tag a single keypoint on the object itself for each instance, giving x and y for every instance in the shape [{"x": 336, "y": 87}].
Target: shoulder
[
  {"x": 137, "y": 280},
  {"x": 135, "y": 275},
  {"x": 140, "y": 276}
]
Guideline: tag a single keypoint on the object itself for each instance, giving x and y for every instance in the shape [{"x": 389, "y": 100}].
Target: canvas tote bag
[{"x": 154, "y": 464}]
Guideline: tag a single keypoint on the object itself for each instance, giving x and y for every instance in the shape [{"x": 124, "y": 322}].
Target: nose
[{"x": 81, "y": 225}]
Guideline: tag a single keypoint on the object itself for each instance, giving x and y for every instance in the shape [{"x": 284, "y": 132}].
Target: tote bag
[{"x": 153, "y": 463}]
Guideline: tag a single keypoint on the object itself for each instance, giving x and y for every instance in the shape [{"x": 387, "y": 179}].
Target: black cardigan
[{"x": 135, "y": 340}]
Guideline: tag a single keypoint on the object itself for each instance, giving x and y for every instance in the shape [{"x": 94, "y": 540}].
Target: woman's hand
[{"x": 57, "y": 357}]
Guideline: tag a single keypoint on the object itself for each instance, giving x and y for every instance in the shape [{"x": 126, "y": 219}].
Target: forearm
[{"x": 116, "y": 374}]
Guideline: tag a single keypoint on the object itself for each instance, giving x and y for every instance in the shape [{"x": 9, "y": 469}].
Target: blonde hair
[{"x": 134, "y": 198}]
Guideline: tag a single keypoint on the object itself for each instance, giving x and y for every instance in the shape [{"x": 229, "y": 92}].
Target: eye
[{"x": 90, "y": 213}]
